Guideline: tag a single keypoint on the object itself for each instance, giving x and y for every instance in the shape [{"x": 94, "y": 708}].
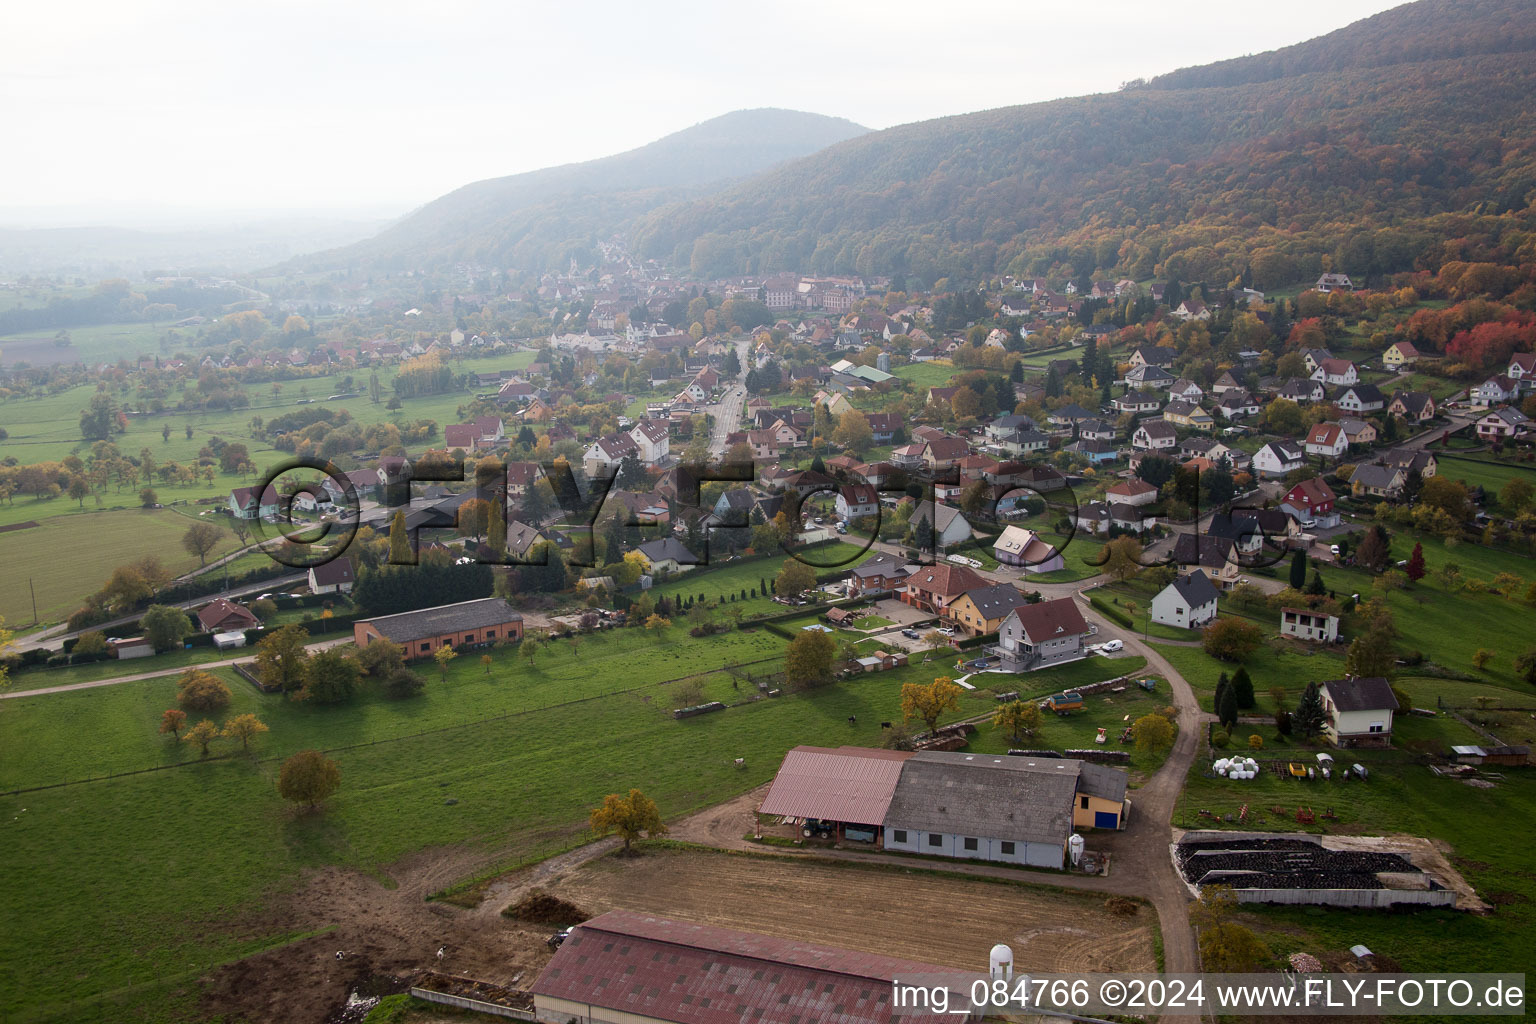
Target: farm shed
[
  {"x": 641, "y": 969},
  {"x": 846, "y": 785},
  {"x": 1006, "y": 809},
  {"x": 466, "y": 623}
]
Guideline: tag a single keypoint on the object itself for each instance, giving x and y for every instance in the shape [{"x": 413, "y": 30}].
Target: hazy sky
[{"x": 115, "y": 111}]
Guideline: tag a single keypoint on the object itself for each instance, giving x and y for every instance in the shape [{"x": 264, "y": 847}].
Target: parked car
[
  {"x": 910, "y": 634},
  {"x": 1333, "y": 549},
  {"x": 1113, "y": 645}
]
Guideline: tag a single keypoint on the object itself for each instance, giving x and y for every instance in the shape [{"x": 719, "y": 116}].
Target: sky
[{"x": 172, "y": 113}]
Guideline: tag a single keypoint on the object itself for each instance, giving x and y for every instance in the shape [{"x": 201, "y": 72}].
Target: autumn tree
[
  {"x": 929, "y": 701},
  {"x": 1019, "y": 719},
  {"x": 282, "y": 663},
  {"x": 198, "y": 690},
  {"x": 1231, "y": 639},
  {"x": 378, "y": 658},
  {"x": 629, "y": 817},
  {"x": 1525, "y": 666},
  {"x": 853, "y": 432},
  {"x": 1225, "y": 945},
  {"x": 244, "y": 728},
  {"x": 1415, "y": 569},
  {"x": 809, "y": 659},
  {"x": 309, "y": 778},
  {"x": 202, "y": 734},
  {"x": 172, "y": 721},
  {"x": 1152, "y": 733},
  {"x": 1122, "y": 558},
  {"x": 474, "y": 518},
  {"x": 443, "y": 655},
  {"x": 794, "y": 579},
  {"x": 200, "y": 539},
  {"x": 1481, "y": 657},
  {"x": 485, "y": 663}
]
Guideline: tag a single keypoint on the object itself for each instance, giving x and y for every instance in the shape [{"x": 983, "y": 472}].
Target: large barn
[
  {"x": 640, "y": 969},
  {"x": 1006, "y": 808},
  {"x": 465, "y": 624}
]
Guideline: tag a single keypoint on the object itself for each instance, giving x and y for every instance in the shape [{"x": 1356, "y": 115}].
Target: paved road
[
  {"x": 54, "y": 635},
  {"x": 727, "y": 412}
]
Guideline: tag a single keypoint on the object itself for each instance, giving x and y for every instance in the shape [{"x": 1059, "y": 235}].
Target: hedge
[{"x": 1109, "y": 610}]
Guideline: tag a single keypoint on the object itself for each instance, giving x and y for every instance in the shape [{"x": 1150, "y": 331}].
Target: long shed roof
[{"x": 851, "y": 784}]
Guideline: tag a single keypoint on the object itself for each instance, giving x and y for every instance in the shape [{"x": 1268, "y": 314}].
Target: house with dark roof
[
  {"x": 420, "y": 633},
  {"x": 1188, "y": 602},
  {"x": 949, "y": 526},
  {"x": 1359, "y": 711},
  {"x": 1373, "y": 480},
  {"x": 982, "y": 610},
  {"x": 643, "y": 969},
  {"x": 1154, "y": 436},
  {"x": 1413, "y": 406},
  {"x": 1311, "y": 502},
  {"x": 222, "y": 615},
  {"x": 880, "y": 573},
  {"x": 334, "y": 577},
  {"x": 1037, "y": 635},
  {"x": 667, "y": 555}
]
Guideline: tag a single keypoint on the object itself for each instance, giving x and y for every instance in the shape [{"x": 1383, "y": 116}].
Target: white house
[
  {"x": 1278, "y": 458},
  {"x": 1187, "y": 602},
  {"x": 949, "y": 526},
  {"x": 1037, "y": 635},
  {"x": 333, "y": 577},
  {"x": 1327, "y": 440},
  {"x": 1359, "y": 711},
  {"x": 1494, "y": 390},
  {"x": 652, "y": 441},
  {"x": 1018, "y": 546},
  {"x": 1131, "y": 492},
  {"x": 605, "y": 454},
  {"x": 855, "y": 501},
  {"x": 1336, "y": 373},
  {"x": 1154, "y": 436},
  {"x": 667, "y": 555},
  {"x": 1305, "y": 624}
]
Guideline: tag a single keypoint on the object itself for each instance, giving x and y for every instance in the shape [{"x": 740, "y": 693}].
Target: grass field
[
  {"x": 731, "y": 578},
  {"x": 926, "y": 375},
  {"x": 1483, "y": 472},
  {"x": 67, "y": 557},
  {"x": 48, "y": 428},
  {"x": 123, "y": 882}
]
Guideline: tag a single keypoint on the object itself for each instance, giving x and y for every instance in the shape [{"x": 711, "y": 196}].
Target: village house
[
  {"x": 333, "y": 577},
  {"x": 1336, "y": 373},
  {"x": 933, "y": 587},
  {"x": 1357, "y": 431},
  {"x": 1377, "y": 481},
  {"x": 1400, "y": 355},
  {"x": 1137, "y": 403},
  {"x": 949, "y": 526},
  {"x": 222, "y": 616},
  {"x": 667, "y": 556},
  {"x": 1278, "y": 458},
  {"x": 880, "y": 573},
  {"x": 1154, "y": 436},
  {"x": 1361, "y": 398},
  {"x": 855, "y": 501},
  {"x": 1188, "y": 602},
  {"x": 1305, "y": 624},
  {"x": 982, "y": 610},
  {"x": 1494, "y": 390},
  {"x": 1503, "y": 425},
  {"x": 1190, "y": 417},
  {"x": 1020, "y": 547},
  {"x": 1359, "y": 711},
  {"x": 1311, "y": 502},
  {"x": 1326, "y": 440},
  {"x": 1413, "y": 406},
  {"x": 1037, "y": 635},
  {"x": 1131, "y": 492},
  {"x": 1522, "y": 370}
]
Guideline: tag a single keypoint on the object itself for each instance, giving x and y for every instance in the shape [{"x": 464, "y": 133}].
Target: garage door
[{"x": 1106, "y": 819}]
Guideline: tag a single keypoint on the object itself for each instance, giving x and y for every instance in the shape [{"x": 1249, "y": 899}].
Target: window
[
  {"x": 469, "y": 638},
  {"x": 1007, "y": 849},
  {"x": 970, "y": 845},
  {"x": 490, "y": 634},
  {"x": 1378, "y": 727},
  {"x": 426, "y": 646},
  {"x": 934, "y": 839},
  {"x": 1084, "y": 803},
  {"x": 899, "y": 835}
]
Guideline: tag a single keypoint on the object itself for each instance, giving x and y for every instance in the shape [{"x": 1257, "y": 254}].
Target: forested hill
[
  {"x": 1361, "y": 150},
  {"x": 1429, "y": 30},
  {"x": 530, "y": 219}
]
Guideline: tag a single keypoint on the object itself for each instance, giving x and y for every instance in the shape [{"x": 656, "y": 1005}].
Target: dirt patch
[
  {"x": 386, "y": 934},
  {"x": 28, "y": 525},
  {"x": 870, "y": 909},
  {"x": 542, "y": 908}
]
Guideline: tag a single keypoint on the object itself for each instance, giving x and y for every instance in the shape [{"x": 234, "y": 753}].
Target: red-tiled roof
[{"x": 697, "y": 974}]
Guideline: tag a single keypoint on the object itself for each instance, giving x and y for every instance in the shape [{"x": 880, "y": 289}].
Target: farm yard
[{"x": 491, "y": 766}]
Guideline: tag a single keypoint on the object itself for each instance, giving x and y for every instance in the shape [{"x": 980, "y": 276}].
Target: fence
[{"x": 465, "y": 1003}]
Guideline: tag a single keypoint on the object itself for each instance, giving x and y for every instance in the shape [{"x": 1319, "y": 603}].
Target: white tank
[
  {"x": 1001, "y": 961},
  {"x": 1075, "y": 847}
]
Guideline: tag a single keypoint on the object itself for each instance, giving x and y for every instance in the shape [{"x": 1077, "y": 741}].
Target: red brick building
[{"x": 465, "y": 624}]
